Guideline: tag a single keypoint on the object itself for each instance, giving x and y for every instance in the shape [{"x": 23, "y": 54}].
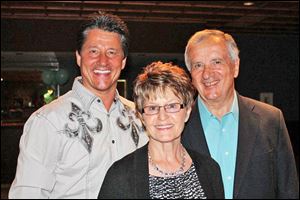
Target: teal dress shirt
[{"x": 221, "y": 137}]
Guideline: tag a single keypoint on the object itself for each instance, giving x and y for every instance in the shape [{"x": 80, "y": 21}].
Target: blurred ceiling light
[{"x": 248, "y": 3}]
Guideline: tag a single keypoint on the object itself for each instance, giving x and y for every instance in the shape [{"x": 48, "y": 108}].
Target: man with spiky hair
[{"x": 68, "y": 145}]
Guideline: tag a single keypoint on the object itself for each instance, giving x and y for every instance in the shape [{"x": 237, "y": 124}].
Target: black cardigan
[{"x": 128, "y": 178}]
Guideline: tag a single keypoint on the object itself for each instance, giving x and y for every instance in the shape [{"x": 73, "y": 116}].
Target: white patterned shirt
[{"x": 68, "y": 145}]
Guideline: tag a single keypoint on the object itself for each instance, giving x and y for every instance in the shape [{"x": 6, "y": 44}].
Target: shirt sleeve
[{"x": 39, "y": 149}]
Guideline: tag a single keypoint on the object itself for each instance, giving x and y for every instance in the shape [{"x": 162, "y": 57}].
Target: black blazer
[
  {"x": 265, "y": 165},
  {"x": 128, "y": 178}
]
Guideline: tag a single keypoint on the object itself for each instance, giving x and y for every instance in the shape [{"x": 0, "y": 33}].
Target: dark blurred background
[{"x": 40, "y": 36}]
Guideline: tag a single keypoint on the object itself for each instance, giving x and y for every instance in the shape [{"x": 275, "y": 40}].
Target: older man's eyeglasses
[{"x": 169, "y": 108}]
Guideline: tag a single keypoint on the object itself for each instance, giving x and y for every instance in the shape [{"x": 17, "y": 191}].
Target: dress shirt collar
[{"x": 206, "y": 114}]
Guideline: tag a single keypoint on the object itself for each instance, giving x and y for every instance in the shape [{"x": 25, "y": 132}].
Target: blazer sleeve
[
  {"x": 288, "y": 183},
  {"x": 209, "y": 175},
  {"x": 114, "y": 184},
  {"x": 119, "y": 181},
  {"x": 216, "y": 181}
]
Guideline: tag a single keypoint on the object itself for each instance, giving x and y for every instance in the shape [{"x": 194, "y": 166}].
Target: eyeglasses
[{"x": 169, "y": 108}]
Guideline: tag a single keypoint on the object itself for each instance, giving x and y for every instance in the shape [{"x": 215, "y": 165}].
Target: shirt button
[
  {"x": 226, "y": 153},
  {"x": 98, "y": 100},
  {"x": 229, "y": 178},
  {"x": 113, "y": 141},
  {"x": 223, "y": 130}
]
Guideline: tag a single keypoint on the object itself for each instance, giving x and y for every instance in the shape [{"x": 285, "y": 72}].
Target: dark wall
[
  {"x": 10, "y": 137},
  {"x": 38, "y": 35},
  {"x": 58, "y": 35},
  {"x": 268, "y": 63},
  {"x": 271, "y": 64}
]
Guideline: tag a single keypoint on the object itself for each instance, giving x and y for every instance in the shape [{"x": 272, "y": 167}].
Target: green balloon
[
  {"x": 48, "y": 77},
  {"x": 62, "y": 76}
]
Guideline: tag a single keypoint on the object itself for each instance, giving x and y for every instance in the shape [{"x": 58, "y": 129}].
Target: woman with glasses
[{"x": 163, "y": 169}]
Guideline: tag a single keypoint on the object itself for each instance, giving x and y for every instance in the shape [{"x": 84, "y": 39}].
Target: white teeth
[
  {"x": 97, "y": 71},
  {"x": 208, "y": 84},
  {"x": 164, "y": 126}
]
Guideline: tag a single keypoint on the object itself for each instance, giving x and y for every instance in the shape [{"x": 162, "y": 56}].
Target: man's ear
[
  {"x": 78, "y": 59},
  {"x": 124, "y": 63},
  {"x": 236, "y": 67}
]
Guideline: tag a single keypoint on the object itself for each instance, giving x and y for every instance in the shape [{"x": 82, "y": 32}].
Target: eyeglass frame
[{"x": 182, "y": 105}]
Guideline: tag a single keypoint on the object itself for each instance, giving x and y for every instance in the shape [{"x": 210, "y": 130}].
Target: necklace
[{"x": 168, "y": 174}]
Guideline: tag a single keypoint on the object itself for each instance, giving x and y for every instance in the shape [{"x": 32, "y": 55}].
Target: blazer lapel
[
  {"x": 202, "y": 175},
  {"x": 141, "y": 173},
  {"x": 193, "y": 135},
  {"x": 248, "y": 128}
]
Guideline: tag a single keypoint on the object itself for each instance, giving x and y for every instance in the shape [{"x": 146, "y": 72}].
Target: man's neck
[
  {"x": 107, "y": 98},
  {"x": 221, "y": 107}
]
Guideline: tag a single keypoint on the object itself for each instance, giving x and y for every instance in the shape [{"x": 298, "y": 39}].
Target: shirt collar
[
  {"x": 235, "y": 107},
  {"x": 86, "y": 96},
  {"x": 206, "y": 114}
]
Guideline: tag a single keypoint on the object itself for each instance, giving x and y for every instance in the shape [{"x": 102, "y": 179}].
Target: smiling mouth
[
  {"x": 164, "y": 126},
  {"x": 98, "y": 71},
  {"x": 210, "y": 84}
]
